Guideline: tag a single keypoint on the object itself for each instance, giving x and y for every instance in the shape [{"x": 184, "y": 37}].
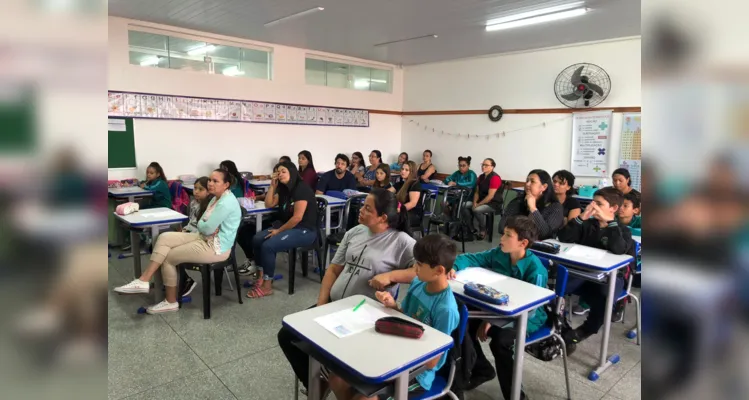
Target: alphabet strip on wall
[{"x": 169, "y": 107}]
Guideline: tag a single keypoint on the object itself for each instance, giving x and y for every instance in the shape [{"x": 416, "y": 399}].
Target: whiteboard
[{"x": 591, "y": 134}]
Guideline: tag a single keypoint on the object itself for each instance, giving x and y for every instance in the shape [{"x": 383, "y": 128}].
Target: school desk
[
  {"x": 596, "y": 270},
  {"x": 524, "y": 298},
  {"x": 130, "y": 193},
  {"x": 354, "y": 354}
]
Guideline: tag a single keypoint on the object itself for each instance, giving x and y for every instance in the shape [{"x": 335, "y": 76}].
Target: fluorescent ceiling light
[
  {"x": 537, "y": 20},
  {"x": 378, "y": 81},
  {"x": 529, "y": 14},
  {"x": 292, "y": 16},
  {"x": 150, "y": 61},
  {"x": 232, "y": 71},
  {"x": 361, "y": 84},
  {"x": 201, "y": 50}
]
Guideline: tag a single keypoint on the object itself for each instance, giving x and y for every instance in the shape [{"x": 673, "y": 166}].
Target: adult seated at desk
[
  {"x": 338, "y": 179},
  {"x": 426, "y": 169},
  {"x": 597, "y": 227},
  {"x": 297, "y": 209},
  {"x": 564, "y": 182},
  {"x": 375, "y": 255},
  {"x": 511, "y": 258},
  {"x": 212, "y": 243},
  {"x": 307, "y": 169},
  {"x": 408, "y": 193},
  {"x": 539, "y": 204},
  {"x": 370, "y": 173},
  {"x": 487, "y": 198},
  {"x": 430, "y": 301},
  {"x": 402, "y": 159},
  {"x": 622, "y": 181}
]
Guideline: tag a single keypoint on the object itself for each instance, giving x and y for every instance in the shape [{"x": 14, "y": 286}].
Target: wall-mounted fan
[{"x": 582, "y": 85}]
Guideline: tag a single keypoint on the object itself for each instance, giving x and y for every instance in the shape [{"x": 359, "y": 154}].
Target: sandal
[{"x": 256, "y": 292}]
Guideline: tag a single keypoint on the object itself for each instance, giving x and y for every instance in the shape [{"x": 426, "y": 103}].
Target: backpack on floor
[{"x": 550, "y": 348}]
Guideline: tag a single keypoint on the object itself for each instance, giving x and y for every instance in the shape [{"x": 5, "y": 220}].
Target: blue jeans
[{"x": 266, "y": 249}]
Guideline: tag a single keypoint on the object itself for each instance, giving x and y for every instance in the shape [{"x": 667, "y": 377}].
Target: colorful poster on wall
[
  {"x": 116, "y": 102},
  {"x": 150, "y": 106},
  {"x": 235, "y": 111},
  {"x": 630, "y": 154},
  {"x": 591, "y": 134},
  {"x": 132, "y": 105}
]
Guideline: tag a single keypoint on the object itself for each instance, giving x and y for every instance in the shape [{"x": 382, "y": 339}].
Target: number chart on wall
[
  {"x": 591, "y": 133},
  {"x": 630, "y": 156}
]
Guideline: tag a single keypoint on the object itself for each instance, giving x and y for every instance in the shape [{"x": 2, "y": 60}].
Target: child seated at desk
[
  {"x": 157, "y": 183},
  {"x": 511, "y": 258},
  {"x": 429, "y": 300},
  {"x": 597, "y": 227},
  {"x": 628, "y": 214}
]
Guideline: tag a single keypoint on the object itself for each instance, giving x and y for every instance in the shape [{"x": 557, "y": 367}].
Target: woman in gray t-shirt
[{"x": 375, "y": 255}]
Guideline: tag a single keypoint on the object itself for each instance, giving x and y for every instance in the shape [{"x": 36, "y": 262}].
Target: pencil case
[
  {"x": 486, "y": 293},
  {"x": 551, "y": 248},
  {"x": 127, "y": 208},
  {"x": 399, "y": 327}
]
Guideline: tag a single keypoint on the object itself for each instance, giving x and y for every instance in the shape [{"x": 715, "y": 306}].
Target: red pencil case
[{"x": 399, "y": 327}]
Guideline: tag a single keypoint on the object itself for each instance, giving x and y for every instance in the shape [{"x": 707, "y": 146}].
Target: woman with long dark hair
[
  {"x": 237, "y": 184},
  {"x": 539, "y": 203},
  {"x": 564, "y": 182},
  {"x": 369, "y": 177},
  {"x": 622, "y": 181},
  {"x": 408, "y": 192},
  {"x": 297, "y": 209},
  {"x": 307, "y": 169},
  {"x": 358, "y": 165}
]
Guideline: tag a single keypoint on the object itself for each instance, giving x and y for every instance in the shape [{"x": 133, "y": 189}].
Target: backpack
[
  {"x": 180, "y": 198},
  {"x": 550, "y": 348},
  {"x": 464, "y": 356}
]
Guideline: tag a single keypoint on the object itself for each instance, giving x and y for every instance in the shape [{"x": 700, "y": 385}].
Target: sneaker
[
  {"x": 162, "y": 307},
  {"x": 247, "y": 268},
  {"x": 187, "y": 287},
  {"x": 480, "y": 378},
  {"x": 572, "y": 337},
  {"x": 618, "y": 315},
  {"x": 577, "y": 309},
  {"x": 136, "y": 286}
]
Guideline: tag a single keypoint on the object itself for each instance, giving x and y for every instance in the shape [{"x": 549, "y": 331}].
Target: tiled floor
[{"x": 235, "y": 354}]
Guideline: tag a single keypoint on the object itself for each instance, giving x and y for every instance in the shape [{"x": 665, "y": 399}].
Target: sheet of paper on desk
[
  {"x": 349, "y": 322},
  {"x": 158, "y": 214},
  {"x": 478, "y": 275},
  {"x": 585, "y": 252}
]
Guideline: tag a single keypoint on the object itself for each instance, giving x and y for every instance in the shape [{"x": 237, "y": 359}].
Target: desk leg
[
  {"x": 327, "y": 221},
  {"x": 258, "y": 223},
  {"x": 158, "y": 280},
  {"x": 517, "y": 375},
  {"x": 401, "y": 386},
  {"x": 131, "y": 199},
  {"x": 603, "y": 362},
  {"x": 313, "y": 391},
  {"x": 135, "y": 244}
]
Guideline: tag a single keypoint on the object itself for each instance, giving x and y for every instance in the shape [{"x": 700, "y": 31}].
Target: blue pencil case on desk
[{"x": 485, "y": 293}]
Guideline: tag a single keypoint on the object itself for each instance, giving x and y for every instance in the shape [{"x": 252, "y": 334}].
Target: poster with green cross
[{"x": 591, "y": 135}]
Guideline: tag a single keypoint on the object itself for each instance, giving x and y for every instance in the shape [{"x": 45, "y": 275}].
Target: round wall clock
[{"x": 495, "y": 113}]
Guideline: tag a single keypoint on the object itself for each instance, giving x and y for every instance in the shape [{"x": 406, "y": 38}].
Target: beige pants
[{"x": 174, "y": 248}]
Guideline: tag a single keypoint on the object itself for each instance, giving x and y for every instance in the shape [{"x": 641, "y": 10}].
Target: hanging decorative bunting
[{"x": 488, "y": 135}]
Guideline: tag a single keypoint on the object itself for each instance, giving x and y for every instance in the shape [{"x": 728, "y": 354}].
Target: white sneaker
[
  {"x": 163, "y": 307},
  {"x": 136, "y": 286}
]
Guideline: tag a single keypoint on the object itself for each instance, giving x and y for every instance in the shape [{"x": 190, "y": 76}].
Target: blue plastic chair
[{"x": 548, "y": 329}]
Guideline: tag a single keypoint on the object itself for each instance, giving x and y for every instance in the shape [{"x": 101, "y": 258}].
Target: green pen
[
  {"x": 565, "y": 249},
  {"x": 360, "y": 304}
]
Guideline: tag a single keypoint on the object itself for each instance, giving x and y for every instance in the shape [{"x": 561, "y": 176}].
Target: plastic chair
[
  {"x": 423, "y": 197},
  {"x": 627, "y": 293},
  {"x": 457, "y": 196},
  {"x": 205, "y": 272},
  {"x": 550, "y": 329},
  {"x": 334, "y": 239},
  {"x": 317, "y": 247}
]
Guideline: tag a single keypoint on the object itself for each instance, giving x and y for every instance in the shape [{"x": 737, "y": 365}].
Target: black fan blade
[
  {"x": 576, "y": 77},
  {"x": 596, "y": 88},
  {"x": 572, "y": 96}
]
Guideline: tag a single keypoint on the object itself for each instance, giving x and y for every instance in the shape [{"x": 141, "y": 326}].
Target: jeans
[
  {"x": 502, "y": 345},
  {"x": 595, "y": 295},
  {"x": 265, "y": 250},
  {"x": 480, "y": 213},
  {"x": 298, "y": 359}
]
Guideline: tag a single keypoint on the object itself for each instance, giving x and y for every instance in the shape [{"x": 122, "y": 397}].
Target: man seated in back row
[{"x": 338, "y": 179}]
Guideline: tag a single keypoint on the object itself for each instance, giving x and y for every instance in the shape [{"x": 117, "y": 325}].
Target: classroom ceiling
[{"x": 354, "y": 27}]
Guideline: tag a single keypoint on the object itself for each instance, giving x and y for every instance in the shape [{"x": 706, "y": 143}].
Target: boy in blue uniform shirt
[
  {"x": 512, "y": 258},
  {"x": 429, "y": 300}
]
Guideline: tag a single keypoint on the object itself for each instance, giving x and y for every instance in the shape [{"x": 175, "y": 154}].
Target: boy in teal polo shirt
[{"x": 511, "y": 258}]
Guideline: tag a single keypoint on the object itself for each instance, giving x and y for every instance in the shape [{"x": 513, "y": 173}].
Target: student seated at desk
[
  {"x": 596, "y": 227},
  {"x": 297, "y": 208},
  {"x": 402, "y": 159},
  {"x": 622, "y": 181},
  {"x": 375, "y": 255},
  {"x": 564, "y": 182},
  {"x": 487, "y": 198},
  {"x": 237, "y": 183},
  {"x": 540, "y": 204},
  {"x": 198, "y": 205},
  {"x": 157, "y": 183},
  {"x": 628, "y": 214},
  {"x": 408, "y": 193},
  {"x": 511, "y": 258},
  {"x": 358, "y": 165},
  {"x": 426, "y": 169},
  {"x": 338, "y": 179},
  {"x": 212, "y": 243},
  {"x": 429, "y": 300},
  {"x": 369, "y": 177},
  {"x": 464, "y": 176},
  {"x": 307, "y": 169},
  {"x": 382, "y": 177}
]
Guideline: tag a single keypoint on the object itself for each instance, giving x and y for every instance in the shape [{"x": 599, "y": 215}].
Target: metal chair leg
[
  {"x": 228, "y": 279},
  {"x": 564, "y": 360},
  {"x": 639, "y": 321},
  {"x": 296, "y": 389}
]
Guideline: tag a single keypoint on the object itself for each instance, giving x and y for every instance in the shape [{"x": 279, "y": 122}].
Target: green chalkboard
[
  {"x": 18, "y": 130},
  {"x": 121, "y": 143}
]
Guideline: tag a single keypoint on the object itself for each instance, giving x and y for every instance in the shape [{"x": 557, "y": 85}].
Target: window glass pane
[
  {"x": 314, "y": 71},
  {"x": 226, "y": 61},
  {"x": 190, "y": 55},
  {"x": 255, "y": 63},
  {"x": 148, "y": 49},
  {"x": 337, "y": 74},
  {"x": 360, "y": 77},
  {"x": 380, "y": 80}
]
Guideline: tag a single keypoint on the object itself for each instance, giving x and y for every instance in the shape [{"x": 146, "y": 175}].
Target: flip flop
[{"x": 256, "y": 292}]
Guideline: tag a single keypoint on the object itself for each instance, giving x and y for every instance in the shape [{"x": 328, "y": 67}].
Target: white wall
[
  {"x": 189, "y": 147},
  {"x": 513, "y": 81}
]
